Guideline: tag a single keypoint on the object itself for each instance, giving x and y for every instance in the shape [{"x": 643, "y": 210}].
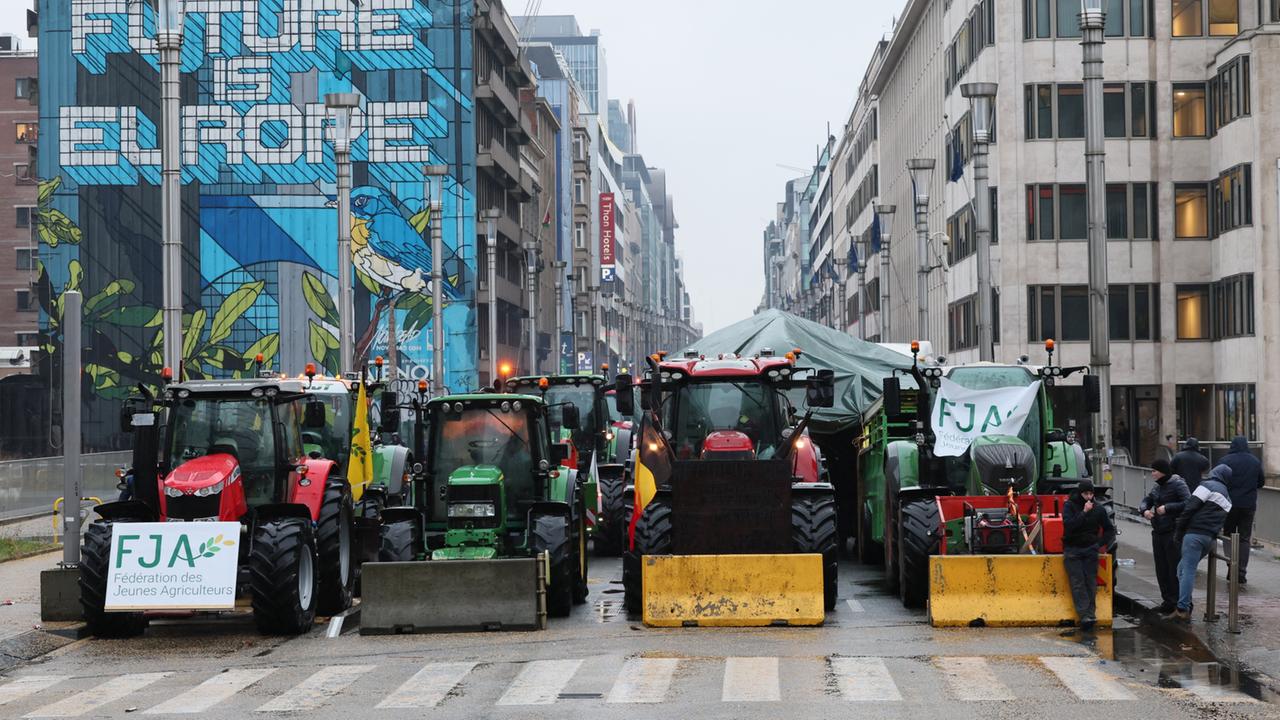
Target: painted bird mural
[{"x": 386, "y": 246}]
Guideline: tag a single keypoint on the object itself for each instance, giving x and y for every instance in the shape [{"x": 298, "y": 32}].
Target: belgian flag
[{"x": 653, "y": 463}]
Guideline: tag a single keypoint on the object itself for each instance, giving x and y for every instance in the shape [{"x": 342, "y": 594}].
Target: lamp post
[
  {"x": 340, "y": 106},
  {"x": 594, "y": 299},
  {"x": 842, "y": 317},
  {"x": 169, "y": 45},
  {"x": 435, "y": 196},
  {"x": 982, "y": 97},
  {"x": 1092, "y": 21},
  {"x": 886, "y": 213},
  {"x": 490, "y": 218},
  {"x": 559, "y": 266},
  {"x": 921, "y": 170},
  {"x": 531, "y": 277}
]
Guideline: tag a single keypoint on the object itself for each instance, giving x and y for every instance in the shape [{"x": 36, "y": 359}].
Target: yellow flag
[{"x": 360, "y": 467}]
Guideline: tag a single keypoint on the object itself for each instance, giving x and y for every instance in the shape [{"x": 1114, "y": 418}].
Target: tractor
[
  {"x": 1001, "y": 494},
  {"x": 232, "y": 450},
  {"x": 724, "y": 467},
  {"x": 492, "y": 488}
]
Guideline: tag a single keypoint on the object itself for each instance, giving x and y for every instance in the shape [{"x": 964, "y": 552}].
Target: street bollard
[
  {"x": 1211, "y": 586},
  {"x": 1233, "y": 586}
]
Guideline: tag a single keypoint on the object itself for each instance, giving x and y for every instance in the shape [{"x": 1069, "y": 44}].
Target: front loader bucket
[
  {"x": 453, "y": 596},
  {"x": 1008, "y": 591},
  {"x": 732, "y": 590}
]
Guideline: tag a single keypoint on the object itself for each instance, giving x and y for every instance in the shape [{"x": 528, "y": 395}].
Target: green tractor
[
  {"x": 492, "y": 489},
  {"x": 903, "y": 479}
]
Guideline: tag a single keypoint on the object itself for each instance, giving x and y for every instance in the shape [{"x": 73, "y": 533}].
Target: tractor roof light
[
  {"x": 310, "y": 370},
  {"x": 422, "y": 386},
  {"x": 543, "y": 383},
  {"x": 167, "y": 374},
  {"x": 791, "y": 357},
  {"x": 915, "y": 347},
  {"x": 798, "y": 352},
  {"x": 1048, "y": 345}
]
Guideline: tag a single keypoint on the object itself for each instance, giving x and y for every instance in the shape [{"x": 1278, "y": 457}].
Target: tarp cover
[{"x": 860, "y": 366}]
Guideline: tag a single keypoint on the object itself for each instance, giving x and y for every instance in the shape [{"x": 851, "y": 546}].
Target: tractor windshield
[
  {"x": 583, "y": 396},
  {"x": 334, "y": 439},
  {"x": 987, "y": 378},
  {"x": 484, "y": 436},
  {"x": 701, "y": 408},
  {"x": 238, "y": 426}
]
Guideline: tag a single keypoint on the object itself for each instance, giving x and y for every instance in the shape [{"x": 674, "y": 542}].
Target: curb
[{"x": 32, "y": 644}]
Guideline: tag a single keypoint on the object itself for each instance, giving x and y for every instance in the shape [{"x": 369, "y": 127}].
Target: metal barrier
[
  {"x": 28, "y": 488},
  {"x": 1233, "y": 583},
  {"x": 1129, "y": 483}
]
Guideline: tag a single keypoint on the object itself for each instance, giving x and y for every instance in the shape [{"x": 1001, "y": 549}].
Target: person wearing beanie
[
  {"x": 1086, "y": 532},
  {"x": 1161, "y": 506}
]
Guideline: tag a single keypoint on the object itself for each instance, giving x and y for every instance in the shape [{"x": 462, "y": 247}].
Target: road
[{"x": 872, "y": 658}]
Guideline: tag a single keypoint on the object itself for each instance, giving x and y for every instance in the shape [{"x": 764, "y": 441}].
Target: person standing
[
  {"x": 1190, "y": 464},
  {"x": 1086, "y": 531},
  {"x": 1246, "y": 480},
  {"x": 1197, "y": 530},
  {"x": 1162, "y": 506}
]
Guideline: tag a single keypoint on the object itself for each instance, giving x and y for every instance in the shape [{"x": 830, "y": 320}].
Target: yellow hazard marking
[
  {"x": 1008, "y": 590},
  {"x": 732, "y": 590}
]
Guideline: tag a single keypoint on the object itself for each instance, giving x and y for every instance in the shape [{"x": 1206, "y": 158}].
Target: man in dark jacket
[
  {"x": 1246, "y": 479},
  {"x": 1086, "y": 530},
  {"x": 1162, "y": 506},
  {"x": 1198, "y": 526},
  {"x": 1190, "y": 464}
]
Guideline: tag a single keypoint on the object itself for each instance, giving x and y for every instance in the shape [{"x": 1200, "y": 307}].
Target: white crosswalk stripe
[
  {"x": 106, "y": 693},
  {"x": 643, "y": 680},
  {"x": 540, "y": 682},
  {"x": 864, "y": 679},
  {"x": 25, "y": 686},
  {"x": 210, "y": 692},
  {"x": 750, "y": 679},
  {"x": 1082, "y": 677},
  {"x": 971, "y": 679},
  {"x": 428, "y": 686},
  {"x": 316, "y": 690},
  {"x": 854, "y": 605}
]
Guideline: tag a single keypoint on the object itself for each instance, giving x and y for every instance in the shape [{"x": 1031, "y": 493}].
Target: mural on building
[{"x": 258, "y": 216}]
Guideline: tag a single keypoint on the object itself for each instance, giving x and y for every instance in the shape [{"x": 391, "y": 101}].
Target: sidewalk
[
  {"x": 1257, "y": 646},
  {"x": 22, "y": 635}
]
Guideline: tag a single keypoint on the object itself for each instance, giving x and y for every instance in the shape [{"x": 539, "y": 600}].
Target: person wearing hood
[
  {"x": 1190, "y": 464},
  {"x": 1246, "y": 479},
  {"x": 1198, "y": 526},
  {"x": 1086, "y": 531},
  {"x": 1162, "y": 506}
]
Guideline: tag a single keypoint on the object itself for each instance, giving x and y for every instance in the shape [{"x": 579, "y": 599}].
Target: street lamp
[
  {"x": 886, "y": 213},
  {"x": 340, "y": 106},
  {"x": 982, "y": 97},
  {"x": 531, "y": 273},
  {"x": 594, "y": 295},
  {"x": 490, "y": 218},
  {"x": 559, "y": 266},
  {"x": 1092, "y": 22},
  {"x": 435, "y": 199},
  {"x": 169, "y": 45},
  {"x": 921, "y": 170}
]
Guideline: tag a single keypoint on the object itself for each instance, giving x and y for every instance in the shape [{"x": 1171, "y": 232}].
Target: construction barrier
[
  {"x": 732, "y": 590},
  {"x": 452, "y": 596},
  {"x": 1009, "y": 590}
]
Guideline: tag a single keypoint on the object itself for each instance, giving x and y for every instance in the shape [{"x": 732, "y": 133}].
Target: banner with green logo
[
  {"x": 173, "y": 566},
  {"x": 960, "y": 415}
]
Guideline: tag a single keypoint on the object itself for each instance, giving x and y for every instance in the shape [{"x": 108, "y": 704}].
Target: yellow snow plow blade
[
  {"x": 732, "y": 590},
  {"x": 1008, "y": 591}
]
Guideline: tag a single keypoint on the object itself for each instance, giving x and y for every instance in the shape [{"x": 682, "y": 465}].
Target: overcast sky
[{"x": 725, "y": 91}]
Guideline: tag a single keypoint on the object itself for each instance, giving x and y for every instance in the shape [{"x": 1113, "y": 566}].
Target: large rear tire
[
  {"x": 815, "y": 529},
  {"x": 282, "y": 576},
  {"x": 653, "y": 537},
  {"x": 400, "y": 541},
  {"x": 870, "y": 552},
  {"x": 919, "y": 531},
  {"x": 613, "y": 506},
  {"x": 335, "y": 541},
  {"x": 557, "y": 535},
  {"x": 95, "y": 562}
]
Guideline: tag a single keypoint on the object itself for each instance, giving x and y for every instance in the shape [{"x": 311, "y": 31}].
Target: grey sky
[{"x": 725, "y": 90}]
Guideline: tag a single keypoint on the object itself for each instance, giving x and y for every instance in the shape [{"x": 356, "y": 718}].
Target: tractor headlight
[
  {"x": 506, "y": 406},
  {"x": 213, "y": 489},
  {"x": 172, "y": 491},
  {"x": 472, "y": 510},
  {"x": 516, "y": 406}
]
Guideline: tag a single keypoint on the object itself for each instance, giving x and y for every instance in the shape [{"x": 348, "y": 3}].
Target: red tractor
[{"x": 232, "y": 450}]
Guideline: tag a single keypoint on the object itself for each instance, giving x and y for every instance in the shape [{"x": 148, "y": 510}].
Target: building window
[
  {"x": 976, "y": 33},
  {"x": 1189, "y": 108},
  {"x": 27, "y": 338},
  {"x": 1190, "y": 16},
  {"x": 873, "y": 295},
  {"x": 962, "y": 233},
  {"x": 1191, "y": 211},
  {"x": 26, "y": 300},
  {"x": 1058, "y": 312},
  {"x": 1126, "y": 108},
  {"x": 1134, "y": 312},
  {"x": 1047, "y": 18},
  {"x": 1229, "y": 96},
  {"x": 23, "y": 216},
  {"x": 1130, "y": 212},
  {"x": 26, "y": 132},
  {"x": 1195, "y": 411},
  {"x": 1232, "y": 196},
  {"x": 580, "y": 235},
  {"x": 1235, "y": 410},
  {"x": 1193, "y": 312},
  {"x": 22, "y": 172},
  {"x": 26, "y": 258},
  {"x": 580, "y": 191},
  {"x": 1070, "y": 111},
  {"x": 24, "y": 87},
  {"x": 962, "y": 324},
  {"x": 1233, "y": 307},
  {"x": 579, "y": 148}
]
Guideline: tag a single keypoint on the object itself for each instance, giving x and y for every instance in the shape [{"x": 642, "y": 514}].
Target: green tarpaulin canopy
[{"x": 859, "y": 366}]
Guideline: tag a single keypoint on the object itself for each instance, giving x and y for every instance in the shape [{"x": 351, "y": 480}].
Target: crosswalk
[{"x": 645, "y": 679}]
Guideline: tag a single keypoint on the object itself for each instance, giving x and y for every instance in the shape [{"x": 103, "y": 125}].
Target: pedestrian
[
  {"x": 1197, "y": 530},
  {"x": 1086, "y": 531},
  {"x": 1190, "y": 464},
  {"x": 1162, "y": 506},
  {"x": 1246, "y": 479}
]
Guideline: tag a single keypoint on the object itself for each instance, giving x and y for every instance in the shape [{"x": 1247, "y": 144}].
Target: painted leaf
[
  {"x": 416, "y": 319},
  {"x": 268, "y": 345},
  {"x": 421, "y": 220},
  {"x": 133, "y": 317},
  {"x": 322, "y": 343},
  {"x": 47, "y": 188},
  {"x": 232, "y": 309},
  {"x": 75, "y": 275},
  {"x": 217, "y": 538},
  {"x": 192, "y": 332},
  {"x": 113, "y": 290},
  {"x": 318, "y": 299},
  {"x": 228, "y": 543},
  {"x": 368, "y": 284}
]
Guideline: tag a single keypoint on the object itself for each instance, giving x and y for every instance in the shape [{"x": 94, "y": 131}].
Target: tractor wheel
[
  {"x": 613, "y": 506},
  {"x": 335, "y": 543},
  {"x": 814, "y": 530},
  {"x": 653, "y": 537},
  {"x": 557, "y": 535},
  {"x": 401, "y": 541},
  {"x": 892, "y": 523},
  {"x": 282, "y": 576},
  {"x": 869, "y": 551},
  {"x": 95, "y": 560},
  {"x": 919, "y": 540},
  {"x": 560, "y": 591}
]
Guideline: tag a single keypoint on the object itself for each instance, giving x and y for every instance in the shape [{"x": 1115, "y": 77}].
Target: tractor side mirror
[
  {"x": 646, "y": 397},
  {"x": 559, "y": 453},
  {"x": 126, "y": 418},
  {"x": 570, "y": 418},
  {"x": 624, "y": 397},
  {"x": 1093, "y": 393},
  {"x": 892, "y": 396},
  {"x": 389, "y": 403},
  {"x": 313, "y": 416},
  {"x": 820, "y": 389}
]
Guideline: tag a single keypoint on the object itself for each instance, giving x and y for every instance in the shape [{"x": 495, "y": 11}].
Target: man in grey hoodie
[{"x": 1197, "y": 528}]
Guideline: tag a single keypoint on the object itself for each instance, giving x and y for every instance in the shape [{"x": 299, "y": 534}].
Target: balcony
[
  {"x": 499, "y": 163},
  {"x": 494, "y": 94},
  {"x": 527, "y": 187},
  {"x": 495, "y": 24}
]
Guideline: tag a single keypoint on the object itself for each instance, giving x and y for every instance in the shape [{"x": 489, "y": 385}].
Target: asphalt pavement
[{"x": 872, "y": 658}]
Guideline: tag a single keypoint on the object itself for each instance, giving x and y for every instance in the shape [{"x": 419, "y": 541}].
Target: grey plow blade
[{"x": 452, "y": 596}]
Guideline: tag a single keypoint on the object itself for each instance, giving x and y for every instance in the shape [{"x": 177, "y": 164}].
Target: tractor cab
[
  {"x": 333, "y": 439},
  {"x": 583, "y": 392}
]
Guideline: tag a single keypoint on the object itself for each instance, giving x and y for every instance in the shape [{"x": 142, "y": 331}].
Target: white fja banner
[
  {"x": 960, "y": 415},
  {"x": 173, "y": 566}
]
